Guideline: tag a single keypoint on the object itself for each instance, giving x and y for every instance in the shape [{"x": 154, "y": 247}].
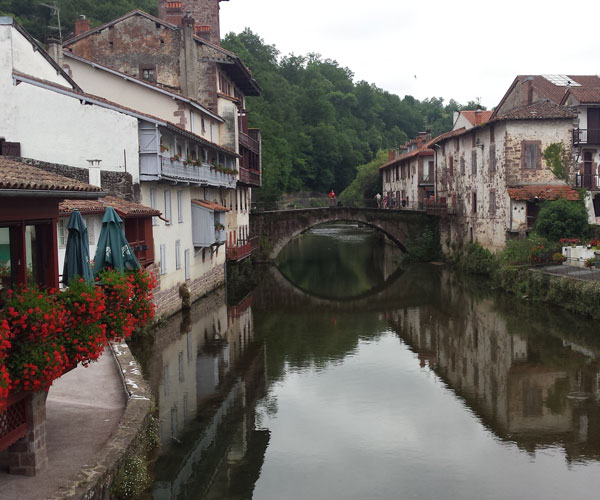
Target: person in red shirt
[{"x": 332, "y": 198}]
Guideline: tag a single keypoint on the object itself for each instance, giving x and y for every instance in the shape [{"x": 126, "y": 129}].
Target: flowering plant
[
  {"x": 164, "y": 148},
  {"x": 558, "y": 257},
  {"x": 85, "y": 335},
  {"x": 141, "y": 305},
  {"x": 594, "y": 243},
  {"x": 175, "y": 158},
  {"x": 219, "y": 226},
  {"x": 570, "y": 241},
  {"x": 4, "y": 376},
  {"x": 589, "y": 263},
  {"x": 535, "y": 254},
  {"x": 37, "y": 323}
]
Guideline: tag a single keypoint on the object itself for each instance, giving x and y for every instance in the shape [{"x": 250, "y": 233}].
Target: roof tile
[{"x": 543, "y": 192}]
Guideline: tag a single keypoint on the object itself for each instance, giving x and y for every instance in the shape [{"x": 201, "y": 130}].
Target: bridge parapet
[{"x": 276, "y": 228}]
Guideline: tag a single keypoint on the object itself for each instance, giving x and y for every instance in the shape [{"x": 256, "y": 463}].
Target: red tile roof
[
  {"x": 412, "y": 154},
  {"x": 477, "y": 117},
  {"x": 123, "y": 207},
  {"x": 20, "y": 176},
  {"x": 210, "y": 205},
  {"x": 584, "y": 95},
  {"x": 543, "y": 192},
  {"x": 543, "y": 110}
]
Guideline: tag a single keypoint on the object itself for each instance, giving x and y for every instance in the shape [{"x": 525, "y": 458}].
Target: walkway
[
  {"x": 577, "y": 273},
  {"x": 82, "y": 413}
]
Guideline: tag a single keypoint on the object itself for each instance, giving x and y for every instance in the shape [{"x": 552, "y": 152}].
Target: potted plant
[
  {"x": 590, "y": 263},
  {"x": 219, "y": 226},
  {"x": 558, "y": 258},
  {"x": 164, "y": 148},
  {"x": 175, "y": 158}
]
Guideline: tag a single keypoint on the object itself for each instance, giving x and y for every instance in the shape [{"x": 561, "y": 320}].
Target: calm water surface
[{"x": 343, "y": 377}]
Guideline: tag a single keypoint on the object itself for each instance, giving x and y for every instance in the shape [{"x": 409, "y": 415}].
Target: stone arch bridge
[{"x": 275, "y": 229}]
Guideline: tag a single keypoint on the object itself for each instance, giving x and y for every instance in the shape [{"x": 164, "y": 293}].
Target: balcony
[
  {"x": 250, "y": 176},
  {"x": 587, "y": 181},
  {"x": 240, "y": 251},
  {"x": 155, "y": 167},
  {"x": 583, "y": 136},
  {"x": 249, "y": 143}
]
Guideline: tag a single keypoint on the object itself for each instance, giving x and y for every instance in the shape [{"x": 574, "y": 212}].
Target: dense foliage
[
  {"x": 318, "y": 125},
  {"x": 41, "y": 21},
  {"x": 562, "y": 219}
]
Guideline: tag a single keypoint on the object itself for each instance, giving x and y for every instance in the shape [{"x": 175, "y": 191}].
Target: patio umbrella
[
  {"x": 113, "y": 250},
  {"x": 77, "y": 251}
]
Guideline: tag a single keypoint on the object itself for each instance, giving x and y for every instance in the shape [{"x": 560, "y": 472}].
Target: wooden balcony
[
  {"x": 582, "y": 136},
  {"x": 250, "y": 177},
  {"x": 587, "y": 181},
  {"x": 249, "y": 143},
  {"x": 155, "y": 167},
  {"x": 239, "y": 251}
]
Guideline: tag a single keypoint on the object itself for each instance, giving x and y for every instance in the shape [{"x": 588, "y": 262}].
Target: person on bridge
[
  {"x": 378, "y": 200},
  {"x": 332, "y": 198}
]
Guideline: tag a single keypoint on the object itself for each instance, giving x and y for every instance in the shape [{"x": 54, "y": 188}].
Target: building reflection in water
[
  {"x": 535, "y": 388},
  {"x": 207, "y": 370}
]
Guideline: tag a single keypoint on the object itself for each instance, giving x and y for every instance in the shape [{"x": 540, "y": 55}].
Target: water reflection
[
  {"x": 339, "y": 261},
  {"x": 430, "y": 387}
]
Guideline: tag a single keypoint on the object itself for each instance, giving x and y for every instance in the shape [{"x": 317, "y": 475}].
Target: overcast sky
[{"x": 462, "y": 49}]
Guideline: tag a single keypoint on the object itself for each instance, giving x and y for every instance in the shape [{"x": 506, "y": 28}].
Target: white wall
[
  {"x": 168, "y": 234},
  {"x": 57, "y": 128}
]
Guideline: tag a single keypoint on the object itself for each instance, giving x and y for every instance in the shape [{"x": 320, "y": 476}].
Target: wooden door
[{"x": 593, "y": 116}]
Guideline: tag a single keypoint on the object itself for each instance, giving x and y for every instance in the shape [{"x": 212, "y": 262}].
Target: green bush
[
  {"x": 562, "y": 219},
  {"x": 423, "y": 248},
  {"x": 477, "y": 260}
]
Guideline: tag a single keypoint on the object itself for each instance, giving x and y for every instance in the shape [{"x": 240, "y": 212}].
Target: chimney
[
  {"x": 203, "y": 32},
  {"x": 55, "y": 50},
  {"x": 527, "y": 91},
  {"x": 171, "y": 12},
  {"x": 390, "y": 154},
  {"x": 82, "y": 25}
]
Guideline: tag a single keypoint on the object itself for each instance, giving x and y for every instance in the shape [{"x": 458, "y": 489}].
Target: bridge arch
[{"x": 275, "y": 229}]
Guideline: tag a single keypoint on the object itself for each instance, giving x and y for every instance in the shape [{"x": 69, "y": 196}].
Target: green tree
[{"x": 562, "y": 219}]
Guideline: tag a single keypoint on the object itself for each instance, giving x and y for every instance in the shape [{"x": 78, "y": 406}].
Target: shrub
[
  {"x": 558, "y": 257},
  {"x": 477, "y": 260},
  {"x": 562, "y": 219},
  {"x": 423, "y": 248}
]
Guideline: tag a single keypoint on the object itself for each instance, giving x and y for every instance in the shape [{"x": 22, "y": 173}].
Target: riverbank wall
[
  {"x": 533, "y": 283},
  {"x": 119, "y": 466}
]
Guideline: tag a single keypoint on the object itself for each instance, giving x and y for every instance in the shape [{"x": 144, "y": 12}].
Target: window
[
  {"x": 153, "y": 205},
  {"x": 492, "y": 157},
  {"x": 473, "y": 140},
  {"x": 186, "y": 263},
  {"x": 474, "y": 162},
  {"x": 531, "y": 157},
  {"x": 179, "y": 207},
  {"x": 474, "y": 202},
  {"x": 203, "y": 125},
  {"x": 62, "y": 233},
  {"x": 148, "y": 74},
  {"x": 168, "y": 207},
  {"x": 163, "y": 258},
  {"x": 89, "y": 222},
  {"x": 492, "y": 202},
  {"x": 177, "y": 254},
  {"x": 492, "y": 134},
  {"x": 451, "y": 165}
]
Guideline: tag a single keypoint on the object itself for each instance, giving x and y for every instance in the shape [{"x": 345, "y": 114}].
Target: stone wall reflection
[{"x": 536, "y": 388}]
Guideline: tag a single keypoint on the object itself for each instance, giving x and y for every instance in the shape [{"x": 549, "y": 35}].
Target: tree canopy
[{"x": 318, "y": 125}]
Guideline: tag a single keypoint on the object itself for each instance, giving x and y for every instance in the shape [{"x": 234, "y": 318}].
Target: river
[{"x": 345, "y": 375}]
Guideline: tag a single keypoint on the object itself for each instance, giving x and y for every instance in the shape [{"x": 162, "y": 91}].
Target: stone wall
[
  {"x": 118, "y": 184},
  {"x": 169, "y": 301}
]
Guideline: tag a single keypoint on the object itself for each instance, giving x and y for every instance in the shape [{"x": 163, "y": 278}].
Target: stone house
[
  {"x": 180, "y": 52},
  {"x": 409, "y": 175},
  {"x": 493, "y": 176},
  {"x": 581, "y": 94}
]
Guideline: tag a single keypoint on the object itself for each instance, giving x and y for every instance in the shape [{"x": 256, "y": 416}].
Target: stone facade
[
  {"x": 28, "y": 456},
  {"x": 169, "y": 300},
  {"x": 475, "y": 168}
]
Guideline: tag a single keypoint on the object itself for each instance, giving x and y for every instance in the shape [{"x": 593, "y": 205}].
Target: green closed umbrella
[
  {"x": 77, "y": 251},
  {"x": 113, "y": 250}
]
